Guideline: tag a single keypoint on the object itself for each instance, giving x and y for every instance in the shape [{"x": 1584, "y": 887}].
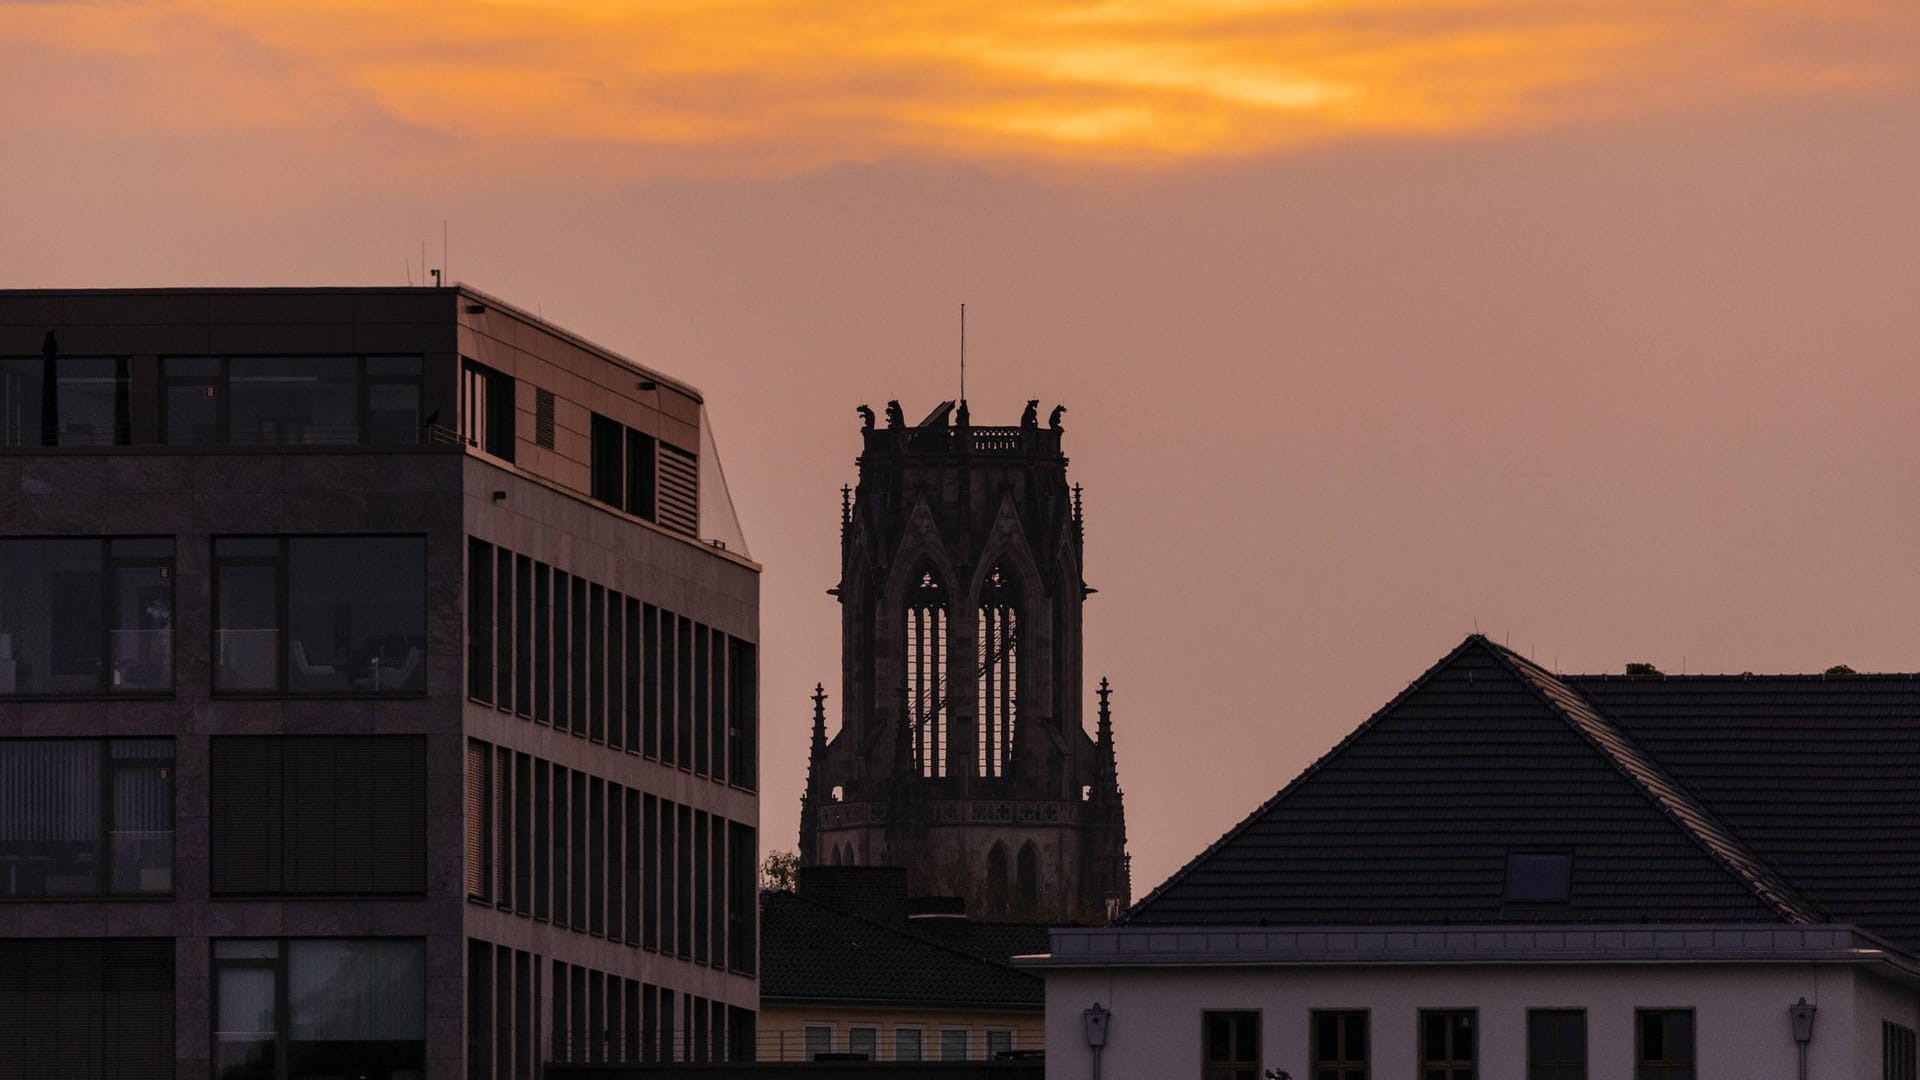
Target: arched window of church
[
  {"x": 997, "y": 872},
  {"x": 1028, "y": 875},
  {"x": 927, "y": 673},
  {"x": 999, "y": 670}
]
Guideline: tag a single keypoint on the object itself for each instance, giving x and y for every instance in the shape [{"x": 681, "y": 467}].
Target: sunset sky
[{"x": 1589, "y": 323}]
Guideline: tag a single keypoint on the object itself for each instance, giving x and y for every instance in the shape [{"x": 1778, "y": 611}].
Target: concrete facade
[{"x": 451, "y": 492}]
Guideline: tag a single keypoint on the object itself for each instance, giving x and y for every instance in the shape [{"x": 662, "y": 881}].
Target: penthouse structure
[{"x": 378, "y": 693}]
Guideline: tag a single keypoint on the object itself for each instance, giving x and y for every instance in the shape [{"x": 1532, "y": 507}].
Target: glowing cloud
[{"x": 776, "y": 83}]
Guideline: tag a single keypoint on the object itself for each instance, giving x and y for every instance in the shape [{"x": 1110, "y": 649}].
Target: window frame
[
  {"x": 966, "y": 1042},
  {"x": 1899, "y": 1048},
  {"x": 46, "y": 432},
  {"x": 919, "y": 1032},
  {"x": 278, "y": 965},
  {"x": 108, "y": 565},
  {"x": 280, "y": 826},
  {"x": 1534, "y": 1061},
  {"x": 1232, "y": 1067},
  {"x": 807, "y": 1031},
  {"x": 487, "y": 420},
  {"x": 1666, "y": 1068},
  {"x": 221, "y": 383},
  {"x": 107, "y": 765},
  {"x": 1346, "y": 1065},
  {"x": 1522, "y": 889},
  {"x": 623, "y": 468},
  {"x": 280, "y": 563},
  {"x": 1453, "y": 1064}
]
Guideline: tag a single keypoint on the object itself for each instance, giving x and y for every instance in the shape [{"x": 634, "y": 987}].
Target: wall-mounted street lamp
[
  {"x": 1097, "y": 1019},
  {"x": 1802, "y": 1014}
]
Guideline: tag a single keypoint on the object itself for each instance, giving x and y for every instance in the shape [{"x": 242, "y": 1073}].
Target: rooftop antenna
[
  {"x": 423, "y": 263},
  {"x": 963, "y": 352},
  {"x": 408, "y": 264},
  {"x": 444, "y": 269}
]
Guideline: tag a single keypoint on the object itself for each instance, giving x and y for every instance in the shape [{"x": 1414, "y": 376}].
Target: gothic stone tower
[{"x": 961, "y": 753}]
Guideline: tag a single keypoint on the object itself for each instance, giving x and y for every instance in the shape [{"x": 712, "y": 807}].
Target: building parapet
[{"x": 1074, "y": 947}]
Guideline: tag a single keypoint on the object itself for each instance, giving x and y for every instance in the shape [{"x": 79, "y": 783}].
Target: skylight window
[{"x": 1538, "y": 878}]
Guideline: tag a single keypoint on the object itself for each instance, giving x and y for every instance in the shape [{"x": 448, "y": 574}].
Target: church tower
[{"x": 962, "y": 752}]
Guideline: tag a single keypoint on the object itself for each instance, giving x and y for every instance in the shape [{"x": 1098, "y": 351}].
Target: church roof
[{"x": 1678, "y": 799}]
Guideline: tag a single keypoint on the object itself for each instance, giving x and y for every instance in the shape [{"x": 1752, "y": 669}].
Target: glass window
[
  {"x": 321, "y": 615},
  {"x": 87, "y": 1007},
  {"x": 906, "y": 1044},
  {"x": 393, "y": 400},
  {"x": 819, "y": 1040},
  {"x": 1665, "y": 1044},
  {"x": 1897, "y": 1051},
  {"x": 998, "y": 1042},
  {"x": 953, "y": 1044},
  {"x": 292, "y": 400},
  {"x": 864, "y": 1041},
  {"x": 86, "y": 616},
  {"x": 625, "y": 467},
  {"x": 487, "y": 409},
  {"x": 642, "y": 474},
  {"x": 1230, "y": 1045},
  {"x": 1339, "y": 1044},
  {"x": 91, "y": 401},
  {"x": 1556, "y": 1044},
  {"x": 352, "y": 1007},
  {"x": 23, "y": 401},
  {"x": 190, "y": 401},
  {"x": 1538, "y": 878},
  {"x": 608, "y": 475},
  {"x": 80, "y": 822},
  {"x": 1447, "y": 1044},
  {"x": 317, "y": 814}
]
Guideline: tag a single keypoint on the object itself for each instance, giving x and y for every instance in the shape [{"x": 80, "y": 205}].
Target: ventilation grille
[
  {"x": 543, "y": 418},
  {"x": 679, "y": 494}
]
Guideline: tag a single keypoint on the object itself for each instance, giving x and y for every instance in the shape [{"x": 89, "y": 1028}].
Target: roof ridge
[
  {"x": 1691, "y": 815},
  {"x": 1247, "y": 822},
  {"x": 908, "y": 934}
]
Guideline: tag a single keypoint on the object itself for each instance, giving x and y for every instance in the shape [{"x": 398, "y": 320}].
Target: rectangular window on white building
[
  {"x": 1339, "y": 1044},
  {"x": 1447, "y": 1044},
  {"x": 1664, "y": 1044},
  {"x": 819, "y": 1040},
  {"x": 953, "y": 1044},
  {"x": 999, "y": 1041},
  {"x": 864, "y": 1040},
  {"x": 1896, "y": 1052},
  {"x": 1230, "y": 1045},
  {"x": 1556, "y": 1044}
]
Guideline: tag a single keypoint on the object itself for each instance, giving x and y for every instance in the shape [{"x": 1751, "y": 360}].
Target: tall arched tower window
[
  {"x": 927, "y": 673},
  {"x": 999, "y": 670},
  {"x": 1027, "y": 875},
  {"x": 997, "y": 871}
]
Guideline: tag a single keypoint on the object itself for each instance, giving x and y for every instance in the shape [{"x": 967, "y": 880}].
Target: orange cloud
[{"x": 783, "y": 83}]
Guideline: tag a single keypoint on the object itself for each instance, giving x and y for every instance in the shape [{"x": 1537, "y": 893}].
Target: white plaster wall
[
  {"x": 1742, "y": 1026},
  {"x": 1877, "y": 1000}
]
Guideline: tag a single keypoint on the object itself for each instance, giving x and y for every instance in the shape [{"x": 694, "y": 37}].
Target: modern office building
[{"x": 377, "y": 693}]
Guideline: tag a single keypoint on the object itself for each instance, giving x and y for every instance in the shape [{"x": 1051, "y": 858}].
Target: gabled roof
[
  {"x": 812, "y": 953},
  {"x": 1411, "y": 820},
  {"x": 1819, "y": 775}
]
